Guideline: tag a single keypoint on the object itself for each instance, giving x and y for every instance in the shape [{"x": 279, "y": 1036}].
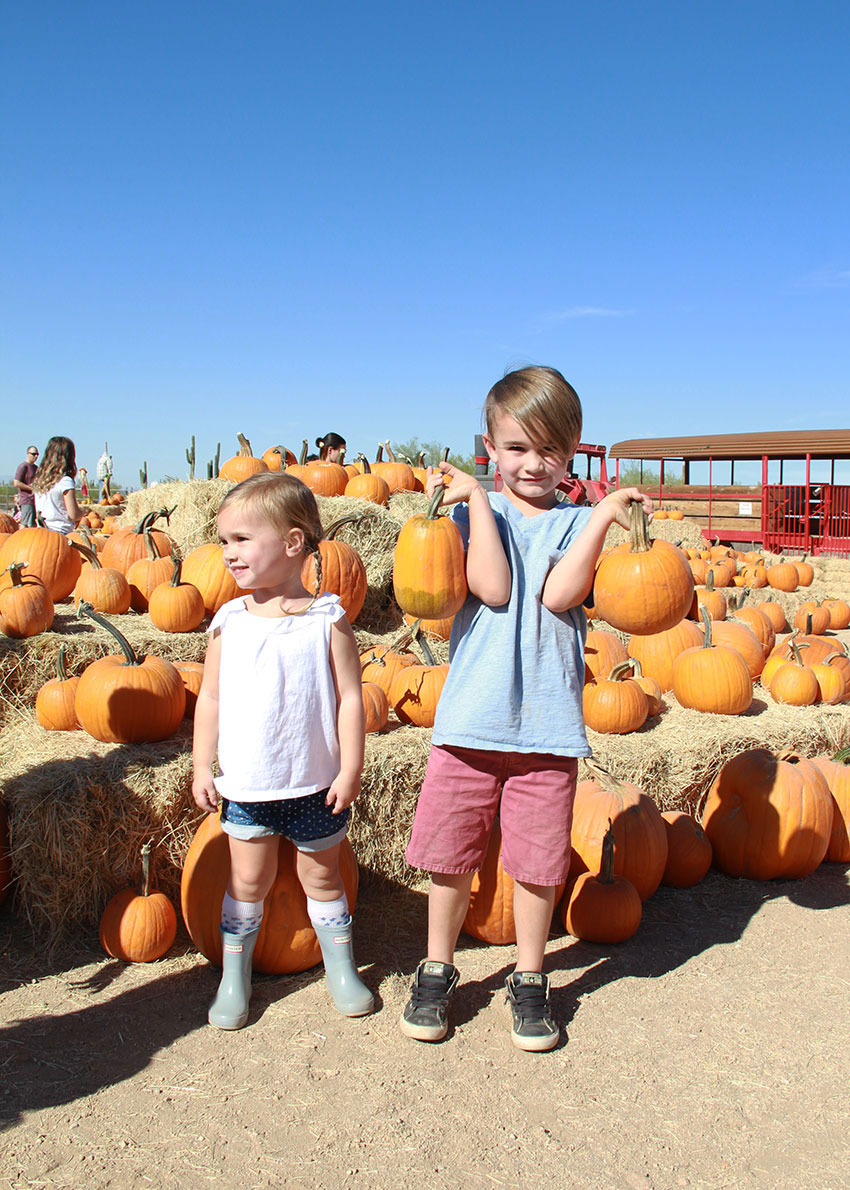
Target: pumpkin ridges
[{"x": 429, "y": 565}]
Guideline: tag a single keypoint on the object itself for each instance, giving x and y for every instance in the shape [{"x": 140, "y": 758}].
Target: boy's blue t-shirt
[{"x": 517, "y": 671}]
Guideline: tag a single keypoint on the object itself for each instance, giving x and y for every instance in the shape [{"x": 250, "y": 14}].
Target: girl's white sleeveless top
[{"x": 277, "y": 718}]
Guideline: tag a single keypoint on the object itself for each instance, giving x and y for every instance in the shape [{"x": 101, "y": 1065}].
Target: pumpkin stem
[
  {"x": 605, "y": 779},
  {"x": 639, "y": 542},
  {"x": 351, "y": 519},
  {"x": 842, "y": 756},
  {"x": 418, "y": 636},
  {"x": 620, "y": 669},
  {"x": 706, "y": 620},
  {"x": 88, "y": 553},
  {"x": 145, "y": 889},
  {"x": 436, "y": 501},
  {"x": 379, "y": 456},
  {"x": 245, "y": 451},
  {"x": 606, "y": 866},
  {"x": 61, "y": 671},
  {"x": 364, "y": 463},
  {"x": 389, "y": 451},
  {"x": 177, "y": 566},
  {"x": 86, "y": 609},
  {"x": 14, "y": 572}
]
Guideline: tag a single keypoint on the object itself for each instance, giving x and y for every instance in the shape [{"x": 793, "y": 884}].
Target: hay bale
[
  {"x": 79, "y": 812},
  {"x": 195, "y": 503}
]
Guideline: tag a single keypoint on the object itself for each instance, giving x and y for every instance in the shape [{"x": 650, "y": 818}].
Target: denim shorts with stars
[{"x": 307, "y": 821}]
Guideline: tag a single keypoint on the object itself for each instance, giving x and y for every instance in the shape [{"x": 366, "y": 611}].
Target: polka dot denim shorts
[{"x": 307, "y": 821}]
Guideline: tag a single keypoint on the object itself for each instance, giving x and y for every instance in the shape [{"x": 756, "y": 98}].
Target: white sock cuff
[
  {"x": 328, "y": 913},
  {"x": 241, "y": 909}
]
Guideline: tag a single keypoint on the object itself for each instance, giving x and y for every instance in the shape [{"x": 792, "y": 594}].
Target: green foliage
[
  {"x": 433, "y": 451},
  {"x": 630, "y": 474}
]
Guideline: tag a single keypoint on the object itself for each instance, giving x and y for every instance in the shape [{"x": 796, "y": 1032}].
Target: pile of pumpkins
[
  {"x": 766, "y": 817},
  {"x": 648, "y": 588}
]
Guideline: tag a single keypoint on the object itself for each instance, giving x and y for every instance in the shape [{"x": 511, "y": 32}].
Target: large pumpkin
[
  {"x": 47, "y": 555},
  {"x": 643, "y": 586},
  {"x": 126, "y": 546},
  {"x": 837, "y": 773},
  {"x": 343, "y": 571},
  {"x": 768, "y": 817},
  {"x": 242, "y": 465},
  {"x": 640, "y": 853},
  {"x": 429, "y": 565},
  {"x": 490, "y": 916},
  {"x": 287, "y": 942},
  {"x": 128, "y": 699},
  {"x": 712, "y": 678},
  {"x": 656, "y": 653}
]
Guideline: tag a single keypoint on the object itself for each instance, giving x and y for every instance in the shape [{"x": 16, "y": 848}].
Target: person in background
[
  {"x": 331, "y": 448},
  {"x": 24, "y": 476},
  {"x": 55, "y": 486}
]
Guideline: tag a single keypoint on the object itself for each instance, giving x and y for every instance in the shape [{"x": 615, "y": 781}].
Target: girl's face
[
  {"x": 255, "y": 553},
  {"x": 530, "y": 472},
  {"x": 336, "y": 454}
]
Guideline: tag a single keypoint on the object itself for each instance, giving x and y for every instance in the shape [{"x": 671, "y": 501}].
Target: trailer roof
[{"x": 777, "y": 444}]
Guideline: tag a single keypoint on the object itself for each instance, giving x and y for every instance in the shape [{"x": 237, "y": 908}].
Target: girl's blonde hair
[
  {"x": 543, "y": 402},
  {"x": 282, "y": 500},
  {"x": 59, "y": 459}
]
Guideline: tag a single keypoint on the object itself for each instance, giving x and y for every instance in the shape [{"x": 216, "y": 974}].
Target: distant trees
[{"x": 433, "y": 451}]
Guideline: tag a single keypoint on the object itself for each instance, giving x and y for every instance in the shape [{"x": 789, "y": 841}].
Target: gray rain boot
[
  {"x": 350, "y": 994},
  {"x": 229, "y": 1009}
]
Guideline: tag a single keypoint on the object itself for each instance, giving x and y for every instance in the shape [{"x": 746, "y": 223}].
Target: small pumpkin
[
  {"x": 643, "y": 586},
  {"x": 688, "y": 850},
  {"x": 783, "y": 576},
  {"x": 376, "y": 707},
  {"x": 191, "y": 675},
  {"x": 366, "y": 486},
  {"x": 710, "y": 599},
  {"x": 54, "y": 702},
  {"x": 138, "y": 926},
  {"x": 615, "y": 704},
  {"x": 145, "y": 574},
  {"x": 795, "y": 683},
  {"x": 104, "y": 587},
  {"x": 416, "y": 689},
  {"x": 839, "y": 613},
  {"x": 812, "y": 617},
  {"x": 604, "y": 908},
  {"x": 429, "y": 564},
  {"x": 278, "y": 458},
  {"x": 243, "y": 464},
  {"x": 176, "y": 606}
]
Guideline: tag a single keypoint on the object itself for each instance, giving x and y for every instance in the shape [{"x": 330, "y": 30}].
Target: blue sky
[{"x": 282, "y": 221}]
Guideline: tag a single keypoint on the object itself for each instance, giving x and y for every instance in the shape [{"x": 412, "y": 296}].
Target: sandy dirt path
[{"x": 712, "y": 1050}]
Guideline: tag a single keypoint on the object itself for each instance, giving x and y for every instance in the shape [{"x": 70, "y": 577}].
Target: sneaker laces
[
  {"x": 429, "y": 990},
  {"x": 530, "y": 1000}
]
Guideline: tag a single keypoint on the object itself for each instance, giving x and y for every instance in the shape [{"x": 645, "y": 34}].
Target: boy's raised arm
[
  {"x": 488, "y": 574},
  {"x": 570, "y": 580}
]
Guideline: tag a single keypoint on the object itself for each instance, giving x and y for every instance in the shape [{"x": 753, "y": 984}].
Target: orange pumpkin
[
  {"x": 343, "y": 572},
  {"x": 145, "y": 574},
  {"x": 204, "y": 568},
  {"x": 649, "y": 686},
  {"x": 191, "y": 675},
  {"x": 278, "y": 458},
  {"x": 615, "y": 704},
  {"x": 26, "y": 608},
  {"x": 839, "y": 613},
  {"x": 126, "y": 546},
  {"x": 794, "y": 683},
  {"x": 287, "y": 942},
  {"x": 783, "y": 576},
  {"x": 604, "y": 908},
  {"x": 138, "y": 926},
  {"x": 324, "y": 478},
  {"x": 602, "y": 651},
  {"x": 688, "y": 850},
  {"x": 775, "y": 613},
  {"x": 128, "y": 699},
  {"x": 243, "y": 464},
  {"x": 376, "y": 707},
  {"x": 47, "y": 555},
  {"x": 812, "y": 617},
  {"x": 416, "y": 689},
  {"x": 429, "y": 565},
  {"x": 8, "y": 524},
  {"x": 54, "y": 703},
  {"x": 805, "y": 571},
  {"x": 712, "y": 678},
  {"x": 657, "y": 652},
  {"x": 176, "y": 606},
  {"x": 768, "y": 817},
  {"x": 366, "y": 486},
  {"x": 104, "y": 587},
  {"x": 490, "y": 915},
  {"x": 643, "y": 586},
  {"x": 710, "y": 599},
  {"x": 640, "y": 852},
  {"x": 836, "y": 770},
  {"x": 742, "y": 638},
  {"x": 380, "y": 664}
]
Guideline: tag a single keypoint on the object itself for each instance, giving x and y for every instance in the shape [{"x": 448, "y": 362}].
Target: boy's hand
[
  {"x": 342, "y": 792},
  {"x": 458, "y": 486},
  {"x": 204, "y": 791},
  {"x": 616, "y": 505}
]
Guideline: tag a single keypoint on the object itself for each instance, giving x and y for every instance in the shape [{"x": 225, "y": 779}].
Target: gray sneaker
[
  {"x": 533, "y": 1026},
  {"x": 424, "y": 1016}
]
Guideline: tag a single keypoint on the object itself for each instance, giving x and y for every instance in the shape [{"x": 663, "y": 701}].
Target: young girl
[
  {"x": 281, "y": 703},
  {"x": 520, "y": 638},
  {"x": 55, "y": 488}
]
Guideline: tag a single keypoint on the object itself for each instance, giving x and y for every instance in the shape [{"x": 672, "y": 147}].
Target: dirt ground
[{"x": 712, "y": 1050}]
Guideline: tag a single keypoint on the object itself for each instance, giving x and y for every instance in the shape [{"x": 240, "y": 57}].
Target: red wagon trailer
[{"x": 810, "y": 517}]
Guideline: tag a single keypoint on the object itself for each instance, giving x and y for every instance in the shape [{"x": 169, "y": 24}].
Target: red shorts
[{"x": 464, "y": 789}]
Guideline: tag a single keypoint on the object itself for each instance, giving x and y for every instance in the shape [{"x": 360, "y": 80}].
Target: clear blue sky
[{"x": 285, "y": 219}]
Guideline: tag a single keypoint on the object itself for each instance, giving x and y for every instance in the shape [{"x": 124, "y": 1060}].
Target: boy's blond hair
[
  {"x": 543, "y": 402},
  {"x": 282, "y": 500}
]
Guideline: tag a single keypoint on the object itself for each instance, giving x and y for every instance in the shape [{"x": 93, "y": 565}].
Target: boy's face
[{"x": 530, "y": 471}]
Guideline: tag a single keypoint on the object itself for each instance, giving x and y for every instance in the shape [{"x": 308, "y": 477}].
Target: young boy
[{"x": 509, "y": 723}]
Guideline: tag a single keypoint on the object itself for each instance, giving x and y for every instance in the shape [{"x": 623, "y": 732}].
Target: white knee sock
[
  {"x": 328, "y": 913},
  {"x": 240, "y": 917}
]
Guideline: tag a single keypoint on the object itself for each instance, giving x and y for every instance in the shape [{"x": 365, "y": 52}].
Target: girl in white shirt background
[
  {"x": 281, "y": 706},
  {"x": 54, "y": 486}
]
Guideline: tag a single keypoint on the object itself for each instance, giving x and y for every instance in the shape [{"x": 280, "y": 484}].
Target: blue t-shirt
[{"x": 517, "y": 671}]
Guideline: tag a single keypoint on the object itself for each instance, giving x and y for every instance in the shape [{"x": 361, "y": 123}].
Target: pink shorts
[{"x": 464, "y": 789}]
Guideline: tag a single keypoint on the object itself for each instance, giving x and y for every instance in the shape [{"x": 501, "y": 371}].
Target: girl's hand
[
  {"x": 462, "y": 486},
  {"x": 342, "y": 792},
  {"x": 617, "y": 503},
  {"x": 204, "y": 791}
]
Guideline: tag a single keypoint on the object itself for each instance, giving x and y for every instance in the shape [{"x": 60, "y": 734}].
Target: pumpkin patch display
[
  {"x": 768, "y": 817},
  {"x": 604, "y": 908},
  {"x": 128, "y": 699},
  {"x": 138, "y": 926},
  {"x": 429, "y": 565},
  {"x": 287, "y": 941}
]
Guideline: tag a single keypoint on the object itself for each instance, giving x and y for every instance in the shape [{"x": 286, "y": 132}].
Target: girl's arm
[
  {"x": 570, "y": 580},
  {"x": 351, "y": 727},
  {"x": 488, "y": 574},
  {"x": 205, "y": 739},
  {"x": 75, "y": 513}
]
